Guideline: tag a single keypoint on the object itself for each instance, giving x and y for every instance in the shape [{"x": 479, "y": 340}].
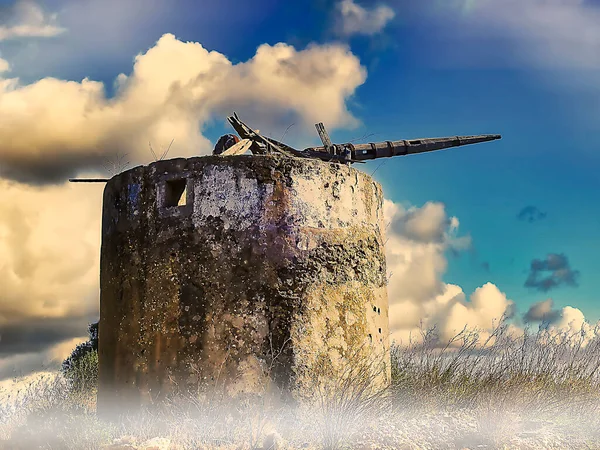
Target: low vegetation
[{"x": 535, "y": 390}]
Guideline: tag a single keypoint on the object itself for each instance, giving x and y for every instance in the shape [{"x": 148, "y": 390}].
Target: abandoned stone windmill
[{"x": 243, "y": 270}]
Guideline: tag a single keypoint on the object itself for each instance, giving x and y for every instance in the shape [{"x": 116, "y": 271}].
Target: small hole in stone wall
[
  {"x": 175, "y": 193},
  {"x": 380, "y": 331},
  {"x": 375, "y": 308},
  {"x": 370, "y": 338},
  {"x": 378, "y": 310}
]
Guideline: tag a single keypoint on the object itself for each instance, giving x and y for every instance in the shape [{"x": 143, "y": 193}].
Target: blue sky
[
  {"x": 547, "y": 158},
  {"x": 525, "y": 69}
]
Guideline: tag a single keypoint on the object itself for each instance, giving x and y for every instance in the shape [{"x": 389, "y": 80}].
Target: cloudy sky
[{"x": 510, "y": 227}]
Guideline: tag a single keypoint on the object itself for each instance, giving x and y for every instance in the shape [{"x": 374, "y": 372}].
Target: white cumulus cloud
[
  {"x": 49, "y": 250},
  {"x": 4, "y": 65},
  {"x": 355, "y": 19},
  {"x": 54, "y": 128},
  {"x": 27, "y": 19},
  {"x": 417, "y": 242}
]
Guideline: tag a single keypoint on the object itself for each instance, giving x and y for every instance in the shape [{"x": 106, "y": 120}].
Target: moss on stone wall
[{"x": 270, "y": 265}]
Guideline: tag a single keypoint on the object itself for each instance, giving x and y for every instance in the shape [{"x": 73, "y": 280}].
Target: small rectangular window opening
[{"x": 175, "y": 193}]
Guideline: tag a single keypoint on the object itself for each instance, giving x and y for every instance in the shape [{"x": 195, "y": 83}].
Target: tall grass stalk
[{"x": 488, "y": 390}]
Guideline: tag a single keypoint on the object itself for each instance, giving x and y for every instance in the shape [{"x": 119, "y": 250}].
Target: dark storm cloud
[
  {"x": 511, "y": 311},
  {"x": 27, "y": 363},
  {"x": 52, "y": 170},
  {"x": 34, "y": 335},
  {"x": 549, "y": 273},
  {"x": 531, "y": 214},
  {"x": 542, "y": 312}
]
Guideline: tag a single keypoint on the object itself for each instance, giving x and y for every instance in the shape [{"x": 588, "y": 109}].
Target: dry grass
[
  {"x": 539, "y": 390},
  {"x": 511, "y": 386}
]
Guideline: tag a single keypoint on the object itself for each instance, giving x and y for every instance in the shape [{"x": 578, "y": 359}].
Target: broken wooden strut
[{"x": 348, "y": 153}]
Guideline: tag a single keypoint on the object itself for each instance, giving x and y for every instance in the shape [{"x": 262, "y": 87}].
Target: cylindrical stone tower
[{"x": 237, "y": 271}]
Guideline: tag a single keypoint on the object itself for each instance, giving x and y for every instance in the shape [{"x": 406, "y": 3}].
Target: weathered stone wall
[{"x": 273, "y": 269}]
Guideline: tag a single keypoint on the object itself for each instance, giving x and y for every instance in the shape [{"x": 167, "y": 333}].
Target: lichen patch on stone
[{"x": 269, "y": 273}]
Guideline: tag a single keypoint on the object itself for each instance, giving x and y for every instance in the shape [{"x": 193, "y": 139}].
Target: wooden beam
[
  {"x": 324, "y": 136},
  {"x": 238, "y": 149}
]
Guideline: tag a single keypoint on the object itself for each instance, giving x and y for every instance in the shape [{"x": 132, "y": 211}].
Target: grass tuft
[{"x": 533, "y": 390}]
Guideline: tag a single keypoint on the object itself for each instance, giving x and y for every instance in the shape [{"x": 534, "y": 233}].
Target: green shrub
[
  {"x": 81, "y": 367},
  {"x": 83, "y": 373}
]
